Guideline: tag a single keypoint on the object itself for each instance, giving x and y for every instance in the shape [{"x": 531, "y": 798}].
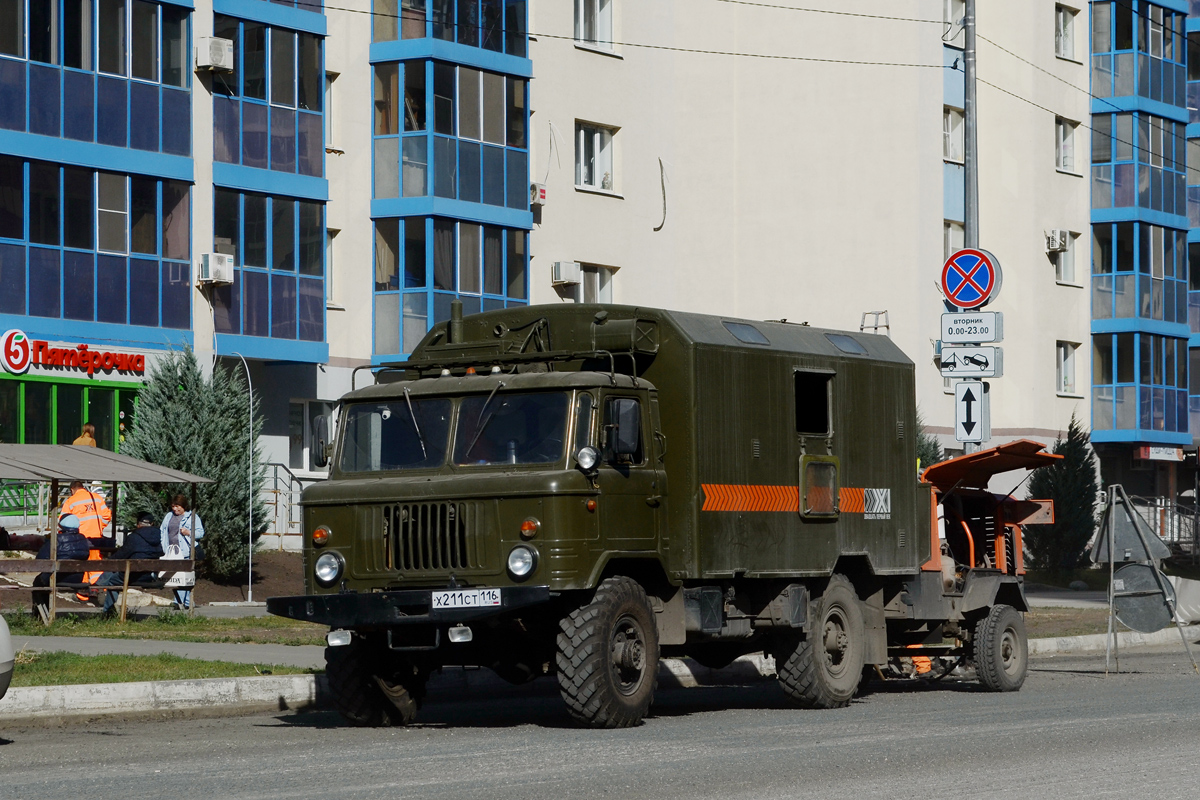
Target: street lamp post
[{"x": 250, "y": 491}]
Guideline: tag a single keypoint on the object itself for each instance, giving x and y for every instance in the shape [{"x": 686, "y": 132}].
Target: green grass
[
  {"x": 62, "y": 669},
  {"x": 173, "y": 626}
]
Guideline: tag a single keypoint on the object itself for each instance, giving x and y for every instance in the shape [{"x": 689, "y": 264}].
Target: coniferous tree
[
  {"x": 929, "y": 452},
  {"x": 1071, "y": 484},
  {"x": 198, "y": 425}
]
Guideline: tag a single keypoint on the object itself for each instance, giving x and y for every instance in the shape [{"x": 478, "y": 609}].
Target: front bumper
[{"x": 403, "y": 607}]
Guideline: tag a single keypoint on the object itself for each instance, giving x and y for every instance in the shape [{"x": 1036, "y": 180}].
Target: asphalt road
[{"x": 1071, "y": 732}]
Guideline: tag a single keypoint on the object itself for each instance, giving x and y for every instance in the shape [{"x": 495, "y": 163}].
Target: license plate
[{"x": 466, "y": 598}]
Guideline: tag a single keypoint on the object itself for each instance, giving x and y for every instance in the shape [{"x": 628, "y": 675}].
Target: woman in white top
[{"x": 181, "y": 527}]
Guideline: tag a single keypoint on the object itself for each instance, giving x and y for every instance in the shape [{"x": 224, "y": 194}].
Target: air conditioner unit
[
  {"x": 537, "y": 194},
  {"x": 214, "y": 54},
  {"x": 215, "y": 269},
  {"x": 1057, "y": 240},
  {"x": 564, "y": 273}
]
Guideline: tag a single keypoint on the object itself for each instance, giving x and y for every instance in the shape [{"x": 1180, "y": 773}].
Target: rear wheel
[
  {"x": 1001, "y": 650},
  {"x": 608, "y": 656},
  {"x": 368, "y": 691},
  {"x": 823, "y": 667}
]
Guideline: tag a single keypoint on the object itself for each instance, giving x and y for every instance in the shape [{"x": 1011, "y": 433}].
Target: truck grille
[{"x": 431, "y": 536}]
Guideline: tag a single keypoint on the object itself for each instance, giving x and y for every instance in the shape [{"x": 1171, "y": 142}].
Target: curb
[
  {"x": 1099, "y": 641},
  {"x": 275, "y": 692}
]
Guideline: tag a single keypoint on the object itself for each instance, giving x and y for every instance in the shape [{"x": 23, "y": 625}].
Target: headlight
[
  {"x": 328, "y": 568},
  {"x": 522, "y": 560},
  {"x": 587, "y": 457}
]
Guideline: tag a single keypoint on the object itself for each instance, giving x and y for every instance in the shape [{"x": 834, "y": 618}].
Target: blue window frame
[
  {"x": 1140, "y": 382},
  {"x": 267, "y": 112},
  {"x": 497, "y": 25},
  {"x": 1139, "y": 271},
  {"x": 1138, "y": 49},
  {"x": 95, "y": 246},
  {"x": 476, "y": 137},
  {"x": 108, "y": 71},
  {"x": 278, "y": 245},
  {"x": 424, "y": 263}
]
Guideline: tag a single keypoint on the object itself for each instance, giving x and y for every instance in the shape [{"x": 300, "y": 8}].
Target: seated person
[
  {"x": 71, "y": 545},
  {"x": 142, "y": 542}
]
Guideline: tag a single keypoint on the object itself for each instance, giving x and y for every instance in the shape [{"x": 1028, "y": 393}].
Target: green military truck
[{"x": 579, "y": 490}]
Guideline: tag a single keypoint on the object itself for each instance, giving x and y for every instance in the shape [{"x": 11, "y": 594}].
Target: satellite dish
[{"x": 1139, "y": 600}]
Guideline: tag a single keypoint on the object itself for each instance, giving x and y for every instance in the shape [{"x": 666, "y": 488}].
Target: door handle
[{"x": 654, "y": 500}]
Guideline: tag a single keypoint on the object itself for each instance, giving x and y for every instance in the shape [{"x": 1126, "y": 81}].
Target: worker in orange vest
[{"x": 94, "y": 517}]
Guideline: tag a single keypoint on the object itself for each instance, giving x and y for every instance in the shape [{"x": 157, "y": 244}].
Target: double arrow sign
[{"x": 972, "y": 411}]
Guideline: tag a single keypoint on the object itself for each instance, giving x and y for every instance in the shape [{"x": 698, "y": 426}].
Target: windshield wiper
[
  {"x": 479, "y": 427},
  {"x": 416, "y": 427}
]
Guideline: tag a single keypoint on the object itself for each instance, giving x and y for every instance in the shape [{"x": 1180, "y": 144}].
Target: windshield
[
  {"x": 387, "y": 436},
  {"x": 511, "y": 429}
]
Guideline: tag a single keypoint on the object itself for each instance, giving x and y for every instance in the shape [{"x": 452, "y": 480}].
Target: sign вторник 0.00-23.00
[{"x": 973, "y": 328}]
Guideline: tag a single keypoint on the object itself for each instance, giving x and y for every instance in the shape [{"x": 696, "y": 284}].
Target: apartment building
[{"x": 363, "y": 164}]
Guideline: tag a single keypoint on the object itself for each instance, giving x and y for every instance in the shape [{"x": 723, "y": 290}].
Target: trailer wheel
[
  {"x": 1001, "y": 650},
  {"x": 362, "y": 696},
  {"x": 822, "y": 668},
  {"x": 608, "y": 656}
]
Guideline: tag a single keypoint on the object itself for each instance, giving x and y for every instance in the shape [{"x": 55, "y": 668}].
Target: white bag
[{"x": 177, "y": 580}]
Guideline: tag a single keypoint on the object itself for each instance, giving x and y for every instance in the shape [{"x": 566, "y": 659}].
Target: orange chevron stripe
[
  {"x": 753, "y": 497},
  {"x": 852, "y": 500}
]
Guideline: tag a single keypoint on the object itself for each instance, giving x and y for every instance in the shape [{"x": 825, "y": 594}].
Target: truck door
[{"x": 630, "y": 496}]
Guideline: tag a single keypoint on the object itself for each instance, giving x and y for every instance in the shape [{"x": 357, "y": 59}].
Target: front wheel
[
  {"x": 1001, "y": 650},
  {"x": 366, "y": 692},
  {"x": 608, "y": 656}
]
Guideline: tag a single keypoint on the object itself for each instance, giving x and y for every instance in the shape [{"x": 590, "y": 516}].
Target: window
[
  {"x": 1064, "y": 138},
  {"x": 1064, "y": 262},
  {"x": 480, "y": 151},
  {"x": 952, "y": 134},
  {"x": 593, "y": 22},
  {"x": 268, "y": 112},
  {"x": 1064, "y": 32},
  {"x": 497, "y": 25},
  {"x": 812, "y": 403},
  {"x": 953, "y": 238},
  {"x": 422, "y": 264},
  {"x": 279, "y": 245},
  {"x": 595, "y": 285},
  {"x": 594, "y": 156},
  {"x": 1065, "y": 370},
  {"x": 953, "y": 12}
]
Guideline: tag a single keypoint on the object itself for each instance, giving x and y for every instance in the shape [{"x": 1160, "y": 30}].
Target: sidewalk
[{"x": 296, "y": 692}]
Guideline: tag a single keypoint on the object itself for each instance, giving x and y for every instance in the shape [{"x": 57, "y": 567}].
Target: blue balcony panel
[
  {"x": 1141, "y": 436},
  {"x": 406, "y": 49},
  {"x": 99, "y": 333},
  {"x": 273, "y": 14},
  {"x": 268, "y": 349},
  {"x": 1112, "y": 105},
  {"x": 1141, "y": 325},
  {"x": 456, "y": 209},
  {"x": 96, "y": 156},
  {"x": 250, "y": 179},
  {"x": 1131, "y": 213}
]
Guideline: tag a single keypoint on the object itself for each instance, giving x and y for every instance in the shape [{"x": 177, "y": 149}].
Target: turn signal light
[
  {"x": 470, "y": 370},
  {"x": 529, "y": 528},
  {"x": 320, "y": 536},
  {"x": 591, "y": 504}
]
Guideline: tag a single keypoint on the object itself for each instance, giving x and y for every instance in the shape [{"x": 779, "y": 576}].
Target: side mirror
[
  {"x": 627, "y": 433},
  {"x": 321, "y": 449}
]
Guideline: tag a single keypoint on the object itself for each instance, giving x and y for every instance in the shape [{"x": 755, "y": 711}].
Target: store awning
[{"x": 63, "y": 462}]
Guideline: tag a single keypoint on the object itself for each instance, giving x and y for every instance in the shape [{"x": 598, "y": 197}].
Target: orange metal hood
[{"x": 974, "y": 470}]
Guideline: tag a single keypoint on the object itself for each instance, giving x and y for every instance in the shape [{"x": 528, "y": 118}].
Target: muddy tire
[
  {"x": 1001, "y": 650},
  {"x": 823, "y": 667},
  {"x": 364, "y": 697},
  {"x": 607, "y": 656}
]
